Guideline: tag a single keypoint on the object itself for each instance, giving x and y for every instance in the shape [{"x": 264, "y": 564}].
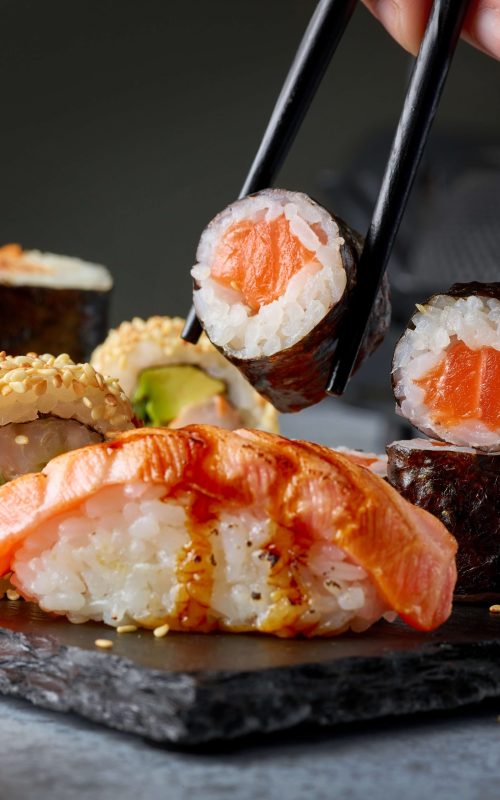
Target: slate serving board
[{"x": 188, "y": 689}]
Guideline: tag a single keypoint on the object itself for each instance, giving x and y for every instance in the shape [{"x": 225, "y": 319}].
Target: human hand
[{"x": 405, "y": 20}]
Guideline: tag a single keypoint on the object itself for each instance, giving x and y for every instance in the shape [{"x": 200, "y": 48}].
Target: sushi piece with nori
[
  {"x": 460, "y": 487},
  {"x": 171, "y": 382},
  {"x": 446, "y": 368},
  {"x": 207, "y": 529},
  {"x": 52, "y": 303},
  {"x": 50, "y": 405},
  {"x": 272, "y": 285}
]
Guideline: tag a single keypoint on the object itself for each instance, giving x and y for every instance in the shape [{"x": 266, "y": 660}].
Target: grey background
[{"x": 127, "y": 124}]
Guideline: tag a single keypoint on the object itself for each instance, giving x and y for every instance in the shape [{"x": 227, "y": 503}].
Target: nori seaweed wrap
[
  {"x": 51, "y": 303},
  {"x": 273, "y": 281},
  {"x": 446, "y": 369},
  {"x": 461, "y": 487}
]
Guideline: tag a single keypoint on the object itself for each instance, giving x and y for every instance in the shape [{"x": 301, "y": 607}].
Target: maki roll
[
  {"x": 49, "y": 405},
  {"x": 460, "y": 487},
  {"x": 207, "y": 529},
  {"x": 272, "y": 284},
  {"x": 51, "y": 303},
  {"x": 171, "y": 382},
  {"x": 446, "y": 368}
]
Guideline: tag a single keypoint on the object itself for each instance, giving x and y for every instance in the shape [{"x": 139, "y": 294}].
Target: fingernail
[{"x": 488, "y": 30}]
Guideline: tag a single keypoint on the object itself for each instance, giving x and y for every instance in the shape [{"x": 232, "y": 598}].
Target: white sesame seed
[
  {"x": 126, "y": 628},
  {"x": 161, "y": 631},
  {"x": 21, "y": 439},
  {"x": 12, "y": 594},
  {"x": 104, "y": 644}
]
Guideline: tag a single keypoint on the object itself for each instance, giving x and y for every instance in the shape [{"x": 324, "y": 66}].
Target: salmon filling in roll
[
  {"x": 207, "y": 529},
  {"x": 447, "y": 367}
]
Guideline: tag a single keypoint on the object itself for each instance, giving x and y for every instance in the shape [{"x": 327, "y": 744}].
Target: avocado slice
[{"x": 162, "y": 392}]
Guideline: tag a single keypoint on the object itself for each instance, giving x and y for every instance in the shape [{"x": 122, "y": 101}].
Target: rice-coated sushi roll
[
  {"x": 446, "y": 368},
  {"x": 274, "y": 277},
  {"x": 171, "y": 382},
  {"x": 207, "y": 529},
  {"x": 49, "y": 405},
  {"x": 460, "y": 487},
  {"x": 52, "y": 303}
]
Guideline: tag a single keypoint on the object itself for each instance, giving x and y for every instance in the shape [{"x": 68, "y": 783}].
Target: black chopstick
[
  {"x": 315, "y": 51},
  {"x": 421, "y": 102}
]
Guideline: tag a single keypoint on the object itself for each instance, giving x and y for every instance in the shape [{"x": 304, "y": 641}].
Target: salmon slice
[
  {"x": 258, "y": 259},
  {"x": 320, "y": 501},
  {"x": 464, "y": 385}
]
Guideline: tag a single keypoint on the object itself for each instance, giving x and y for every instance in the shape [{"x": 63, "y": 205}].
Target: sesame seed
[
  {"x": 12, "y": 594},
  {"x": 161, "y": 631},
  {"x": 126, "y": 628},
  {"x": 87, "y": 402},
  {"x": 495, "y": 609},
  {"x": 21, "y": 439},
  {"x": 104, "y": 644}
]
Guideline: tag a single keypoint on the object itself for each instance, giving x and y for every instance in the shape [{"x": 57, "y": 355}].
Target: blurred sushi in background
[
  {"x": 446, "y": 377},
  {"x": 446, "y": 368},
  {"x": 272, "y": 284},
  {"x": 50, "y": 405},
  {"x": 173, "y": 383},
  {"x": 52, "y": 303}
]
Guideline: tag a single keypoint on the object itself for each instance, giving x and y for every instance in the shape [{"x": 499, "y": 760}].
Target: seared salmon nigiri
[{"x": 206, "y": 529}]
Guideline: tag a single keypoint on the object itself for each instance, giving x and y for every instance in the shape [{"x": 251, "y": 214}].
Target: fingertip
[
  {"x": 404, "y": 20},
  {"x": 483, "y": 29}
]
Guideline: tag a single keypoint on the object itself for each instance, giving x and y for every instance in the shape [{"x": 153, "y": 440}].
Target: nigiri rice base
[
  {"x": 116, "y": 559},
  {"x": 438, "y": 324},
  {"x": 309, "y": 295}
]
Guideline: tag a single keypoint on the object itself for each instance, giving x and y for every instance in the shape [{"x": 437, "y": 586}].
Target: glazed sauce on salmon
[
  {"x": 258, "y": 259},
  {"x": 464, "y": 386}
]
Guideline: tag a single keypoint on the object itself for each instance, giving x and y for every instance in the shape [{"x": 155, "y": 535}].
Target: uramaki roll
[
  {"x": 50, "y": 405},
  {"x": 460, "y": 487},
  {"x": 273, "y": 281},
  {"x": 173, "y": 383},
  {"x": 446, "y": 368},
  {"x": 52, "y": 303}
]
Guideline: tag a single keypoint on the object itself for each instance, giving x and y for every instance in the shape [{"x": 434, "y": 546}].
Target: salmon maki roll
[
  {"x": 174, "y": 383},
  {"x": 273, "y": 281},
  {"x": 446, "y": 368},
  {"x": 207, "y": 529}
]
